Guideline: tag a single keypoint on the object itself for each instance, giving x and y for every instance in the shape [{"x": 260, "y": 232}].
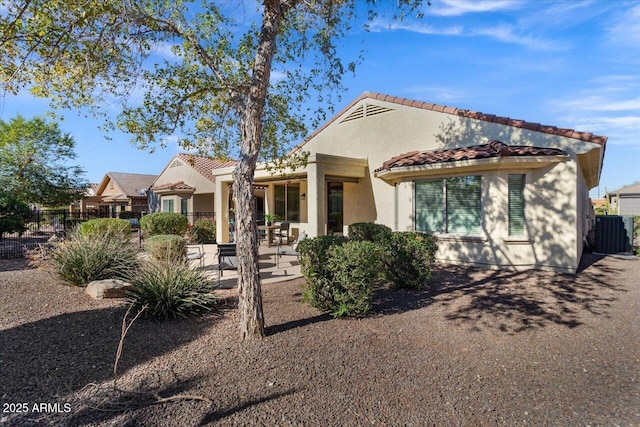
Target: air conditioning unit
[{"x": 614, "y": 234}]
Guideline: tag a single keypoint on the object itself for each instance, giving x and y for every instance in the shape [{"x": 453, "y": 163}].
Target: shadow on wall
[
  {"x": 550, "y": 211},
  {"x": 509, "y": 301}
]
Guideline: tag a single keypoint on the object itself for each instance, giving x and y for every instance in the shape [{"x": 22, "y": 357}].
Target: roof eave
[{"x": 406, "y": 173}]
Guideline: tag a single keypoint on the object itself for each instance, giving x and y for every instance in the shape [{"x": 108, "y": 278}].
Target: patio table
[{"x": 269, "y": 230}]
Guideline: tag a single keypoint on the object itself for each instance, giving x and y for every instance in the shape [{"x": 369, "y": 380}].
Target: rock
[{"x": 107, "y": 288}]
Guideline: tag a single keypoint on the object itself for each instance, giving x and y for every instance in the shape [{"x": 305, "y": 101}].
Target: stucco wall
[
  {"x": 172, "y": 174},
  {"x": 551, "y": 194}
]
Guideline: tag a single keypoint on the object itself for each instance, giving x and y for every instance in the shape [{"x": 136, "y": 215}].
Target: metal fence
[{"x": 24, "y": 231}]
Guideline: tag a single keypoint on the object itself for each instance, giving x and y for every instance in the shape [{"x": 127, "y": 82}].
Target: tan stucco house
[
  {"x": 498, "y": 192},
  {"x": 122, "y": 192},
  {"x": 186, "y": 185}
]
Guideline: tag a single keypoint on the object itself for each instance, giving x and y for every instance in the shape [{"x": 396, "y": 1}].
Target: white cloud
[
  {"x": 380, "y": 26},
  {"x": 626, "y": 27},
  {"x": 505, "y": 33},
  {"x": 462, "y": 7},
  {"x": 508, "y": 34}
]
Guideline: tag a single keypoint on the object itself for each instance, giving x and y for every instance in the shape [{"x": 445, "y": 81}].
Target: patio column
[
  {"x": 315, "y": 200},
  {"x": 221, "y": 203}
]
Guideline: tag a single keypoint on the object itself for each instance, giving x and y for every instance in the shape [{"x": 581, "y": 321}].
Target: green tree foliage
[
  {"x": 201, "y": 71},
  {"x": 34, "y": 158},
  {"x": 14, "y": 213}
]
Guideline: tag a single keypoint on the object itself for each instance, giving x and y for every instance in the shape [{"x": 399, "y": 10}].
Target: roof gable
[
  {"x": 130, "y": 184},
  {"x": 205, "y": 165},
  {"x": 491, "y": 118}
]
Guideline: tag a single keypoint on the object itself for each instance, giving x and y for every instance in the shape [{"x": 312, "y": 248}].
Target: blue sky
[{"x": 572, "y": 64}]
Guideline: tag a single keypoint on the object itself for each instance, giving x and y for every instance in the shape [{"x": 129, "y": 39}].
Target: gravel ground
[{"x": 479, "y": 348}]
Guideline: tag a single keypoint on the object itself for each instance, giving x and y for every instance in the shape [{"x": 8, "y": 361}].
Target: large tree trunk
[{"x": 249, "y": 290}]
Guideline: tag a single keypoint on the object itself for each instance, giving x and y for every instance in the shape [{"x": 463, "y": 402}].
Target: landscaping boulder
[{"x": 107, "y": 288}]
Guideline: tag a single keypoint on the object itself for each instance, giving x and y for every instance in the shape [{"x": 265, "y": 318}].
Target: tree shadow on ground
[
  {"x": 219, "y": 415},
  {"x": 510, "y": 301},
  {"x": 57, "y": 356}
]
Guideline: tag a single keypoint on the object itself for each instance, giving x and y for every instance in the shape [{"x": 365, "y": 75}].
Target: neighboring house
[
  {"x": 89, "y": 203},
  {"x": 626, "y": 201},
  {"x": 498, "y": 192},
  {"x": 120, "y": 192},
  {"x": 186, "y": 185}
]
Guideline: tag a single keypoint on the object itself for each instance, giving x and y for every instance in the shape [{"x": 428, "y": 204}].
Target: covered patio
[{"x": 273, "y": 267}]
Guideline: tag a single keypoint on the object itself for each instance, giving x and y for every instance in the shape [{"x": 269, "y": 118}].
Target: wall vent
[
  {"x": 175, "y": 164},
  {"x": 366, "y": 110}
]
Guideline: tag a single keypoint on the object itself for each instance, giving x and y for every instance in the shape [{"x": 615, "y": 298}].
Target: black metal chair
[
  {"x": 227, "y": 251},
  {"x": 283, "y": 231}
]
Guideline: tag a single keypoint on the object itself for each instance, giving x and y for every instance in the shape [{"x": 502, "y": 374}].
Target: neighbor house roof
[
  {"x": 174, "y": 186},
  {"x": 628, "y": 190},
  {"x": 553, "y": 130},
  {"x": 483, "y": 151},
  {"x": 132, "y": 184},
  {"x": 205, "y": 165}
]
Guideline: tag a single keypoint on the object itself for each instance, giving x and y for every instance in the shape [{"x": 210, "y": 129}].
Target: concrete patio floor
[{"x": 272, "y": 269}]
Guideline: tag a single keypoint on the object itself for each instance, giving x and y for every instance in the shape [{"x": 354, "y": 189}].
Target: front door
[{"x": 335, "y": 206}]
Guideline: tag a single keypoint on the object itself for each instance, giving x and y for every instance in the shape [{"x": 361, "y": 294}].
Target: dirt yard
[{"x": 477, "y": 348}]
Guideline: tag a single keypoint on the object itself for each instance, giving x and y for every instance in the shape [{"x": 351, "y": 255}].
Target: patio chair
[
  {"x": 195, "y": 252},
  {"x": 283, "y": 231},
  {"x": 227, "y": 257},
  {"x": 293, "y": 251}
]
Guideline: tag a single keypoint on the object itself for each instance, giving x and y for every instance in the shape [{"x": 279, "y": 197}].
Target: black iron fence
[{"x": 24, "y": 231}]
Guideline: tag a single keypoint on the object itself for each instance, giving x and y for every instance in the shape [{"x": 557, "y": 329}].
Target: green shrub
[
  {"x": 103, "y": 227},
  {"x": 369, "y": 232},
  {"x": 82, "y": 259},
  {"x": 203, "y": 231},
  {"x": 171, "y": 290},
  {"x": 166, "y": 247},
  {"x": 354, "y": 267},
  {"x": 407, "y": 259},
  {"x": 14, "y": 214},
  {"x": 314, "y": 260},
  {"x": 164, "y": 223}
]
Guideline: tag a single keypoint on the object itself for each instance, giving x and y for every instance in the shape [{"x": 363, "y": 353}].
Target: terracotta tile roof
[
  {"x": 173, "y": 186},
  {"x": 204, "y": 165},
  {"x": 484, "y": 151},
  {"x": 553, "y": 130}
]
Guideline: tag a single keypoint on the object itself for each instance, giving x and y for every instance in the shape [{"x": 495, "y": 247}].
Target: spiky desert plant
[
  {"x": 80, "y": 259},
  {"x": 171, "y": 289}
]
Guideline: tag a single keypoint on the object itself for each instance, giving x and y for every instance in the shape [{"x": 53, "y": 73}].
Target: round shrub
[
  {"x": 354, "y": 268},
  {"x": 106, "y": 227},
  {"x": 166, "y": 247},
  {"x": 407, "y": 259},
  {"x": 204, "y": 231},
  {"x": 164, "y": 223},
  {"x": 370, "y": 232},
  {"x": 82, "y": 259},
  {"x": 314, "y": 260},
  {"x": 170, "y": 290}
]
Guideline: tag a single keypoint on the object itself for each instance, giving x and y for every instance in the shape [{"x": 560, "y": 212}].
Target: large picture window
[
  {"x": 167, "y": 205},
  {"x": 287, "y": 202},
  {"x": 450, "y": 205},
  {"x": 516, "y": 205}
]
